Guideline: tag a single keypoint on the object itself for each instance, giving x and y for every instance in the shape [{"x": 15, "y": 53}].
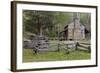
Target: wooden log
[{"x": 84, "y": 47}]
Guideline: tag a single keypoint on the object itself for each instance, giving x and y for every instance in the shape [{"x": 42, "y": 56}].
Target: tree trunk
[{"x": 39, "y": 27}]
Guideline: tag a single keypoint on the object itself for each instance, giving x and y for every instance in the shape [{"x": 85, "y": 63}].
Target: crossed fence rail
[{"x": 67, "y": 46}]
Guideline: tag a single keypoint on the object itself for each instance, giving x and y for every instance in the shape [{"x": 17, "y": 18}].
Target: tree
[
  {"x": 37, "y": 19},
  {"x": 85, "y": 19},
  {"x": 45, "y": 22}
]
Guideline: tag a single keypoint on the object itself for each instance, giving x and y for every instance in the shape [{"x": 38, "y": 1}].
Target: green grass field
[{"x": 28, "y": 56}]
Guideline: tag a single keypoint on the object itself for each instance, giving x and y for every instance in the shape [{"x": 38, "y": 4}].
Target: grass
[{"x": 28, "y": 56}]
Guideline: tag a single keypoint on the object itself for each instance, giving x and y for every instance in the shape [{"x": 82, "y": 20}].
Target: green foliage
[
  {"x": 85, "y": 19},
  {"x": 63, "y": 18},
  {"x": 45, "y": 20},
  {"x": 50, "y": 23}
]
